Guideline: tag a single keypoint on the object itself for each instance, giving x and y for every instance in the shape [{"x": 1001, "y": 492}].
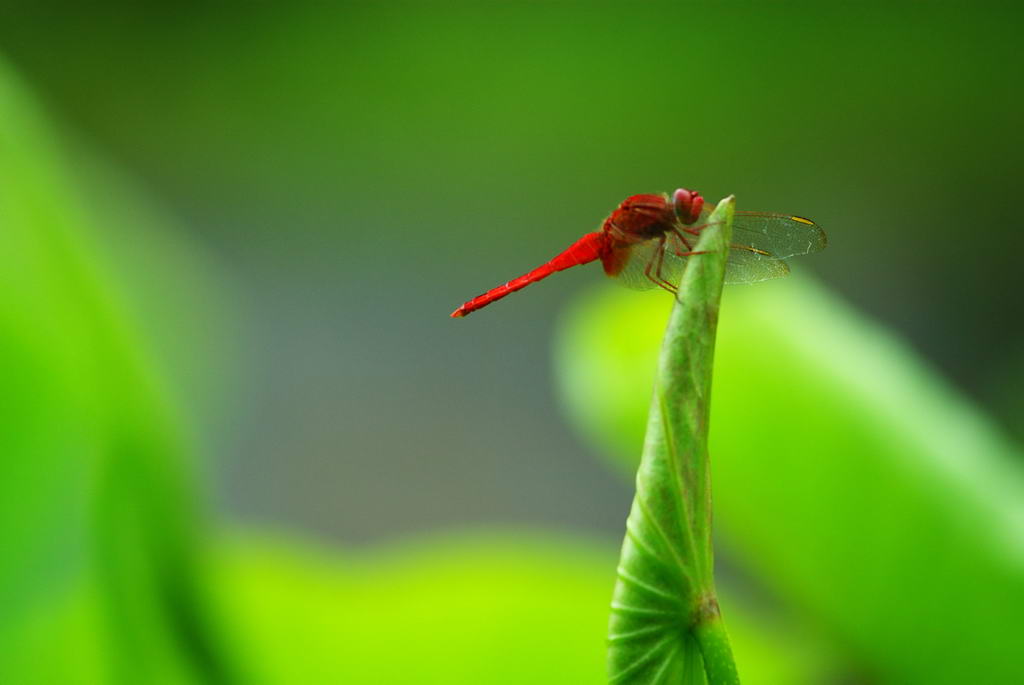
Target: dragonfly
[{"x": 645, "y": 243}]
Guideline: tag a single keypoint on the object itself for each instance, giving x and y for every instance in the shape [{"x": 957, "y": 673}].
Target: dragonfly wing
[
  {"x": 751, "y": 266},
  {"x": 645, "y": 265},
  {"x": 760, "y": 242},
  {"x": 745, "y": 264},
  {"x": 780, "y": 235}
]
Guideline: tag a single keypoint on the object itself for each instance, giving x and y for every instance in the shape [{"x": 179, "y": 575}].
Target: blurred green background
[{"x": 242, "y": 441}]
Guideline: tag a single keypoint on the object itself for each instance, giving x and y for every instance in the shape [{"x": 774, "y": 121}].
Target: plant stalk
[
  {"x": 715, "y": 650},
  {"x": 665, "y": 621}
]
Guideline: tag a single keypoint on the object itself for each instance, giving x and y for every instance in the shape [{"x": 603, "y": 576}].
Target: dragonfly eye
[{"x": 687, "y": 205}]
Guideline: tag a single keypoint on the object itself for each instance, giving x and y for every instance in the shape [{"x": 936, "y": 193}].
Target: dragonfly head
[{"x": 687, "y": 205}]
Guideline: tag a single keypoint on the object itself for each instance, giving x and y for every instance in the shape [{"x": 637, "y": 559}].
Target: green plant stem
[
  {"x": 665, "y": 619},
  {"x": 719, "y": 666}
]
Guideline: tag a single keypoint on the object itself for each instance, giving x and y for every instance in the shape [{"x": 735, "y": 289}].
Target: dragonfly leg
[
  {"x": 657, "y": 278},
  {"x": 682, "y": 238},
  {"x": 695, "y": 230},
  {"x": 671, "y": 287},
  {"x": 690, "y": 252}
]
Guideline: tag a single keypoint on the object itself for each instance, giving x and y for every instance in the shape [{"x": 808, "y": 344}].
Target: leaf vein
[
  {"x": 662, "y": 534},
  {"x": 644, "y": 546},
  {"x": 639, "y": 632},
  {"x": 633, "y": 580},
  {"x": 630, "y": 609},
  {"x": 644, "y": 658},
  {"x": 685, "y": 512},
  {"x": 669, "y": 658}
]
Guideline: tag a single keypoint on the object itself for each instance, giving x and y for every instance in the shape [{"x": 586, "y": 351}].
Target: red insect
[{"x": 645, "y": 242}]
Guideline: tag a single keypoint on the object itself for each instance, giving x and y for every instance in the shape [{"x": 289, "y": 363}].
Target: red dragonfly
[{"x": 645, "y": 242}]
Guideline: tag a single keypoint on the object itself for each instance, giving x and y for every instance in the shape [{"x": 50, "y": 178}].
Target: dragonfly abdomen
[{"x": 587, "y": 249}]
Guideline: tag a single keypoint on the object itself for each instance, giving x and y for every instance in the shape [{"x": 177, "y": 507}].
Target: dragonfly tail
[{"x": 587, "y": 249}]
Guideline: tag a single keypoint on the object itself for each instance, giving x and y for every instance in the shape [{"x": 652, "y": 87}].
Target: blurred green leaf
[
  {"x": 665, "y": 599},
  {"x": 484, "y": 609},
  {"x": 104, "y": 576},
  {"x": 849, "y": 479},
  {"x": 491, "y": 607},
  {"x": 98, "y": 516}
]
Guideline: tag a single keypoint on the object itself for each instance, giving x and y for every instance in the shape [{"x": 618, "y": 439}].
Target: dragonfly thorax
[{"x": 639, "y": 218}]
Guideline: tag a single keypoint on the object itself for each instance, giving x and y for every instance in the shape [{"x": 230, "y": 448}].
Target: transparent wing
[
  {"x": 780, "y": 235},
  {"x": 649, "y": 264},
  {"x": 761, "y": 240},
  {"x": 751, "y": 266}
]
